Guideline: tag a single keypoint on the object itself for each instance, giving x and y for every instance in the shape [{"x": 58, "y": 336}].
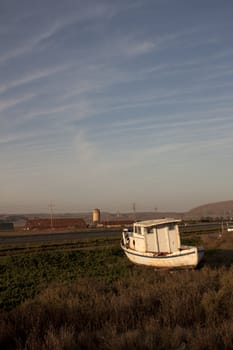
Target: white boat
[
  {"x": 157, "y": 243},
  {"x": 229, "y": 226}
]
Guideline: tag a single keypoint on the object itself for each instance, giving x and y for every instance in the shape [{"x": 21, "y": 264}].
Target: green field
[{"x": 87, "y": 295}]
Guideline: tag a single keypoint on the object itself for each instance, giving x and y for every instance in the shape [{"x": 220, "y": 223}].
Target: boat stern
[{"x": 200, "y": 254}]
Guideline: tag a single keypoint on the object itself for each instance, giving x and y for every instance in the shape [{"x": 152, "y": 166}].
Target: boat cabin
[{"x": 159, "y": 236}]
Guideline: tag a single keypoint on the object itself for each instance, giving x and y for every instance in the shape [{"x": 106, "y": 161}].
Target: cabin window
[
  {"x": 138, "y": 230},
  {"x": 171, "y": 226}
]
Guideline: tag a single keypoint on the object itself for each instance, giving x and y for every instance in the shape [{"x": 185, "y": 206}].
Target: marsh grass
[
  {"x": 23, "y": 276},
  {"x": 97, "y": 300}
]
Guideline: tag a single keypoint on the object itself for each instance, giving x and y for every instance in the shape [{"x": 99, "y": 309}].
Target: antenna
[
  {"x": 51, "y": 206},
  {"x": 134, "y": 210}
]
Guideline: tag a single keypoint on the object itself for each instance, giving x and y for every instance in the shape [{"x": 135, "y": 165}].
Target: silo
[{"x": 96, "y": 216}]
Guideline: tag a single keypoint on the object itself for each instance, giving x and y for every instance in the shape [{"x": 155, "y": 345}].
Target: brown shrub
[{"x": 147, "y": 310}]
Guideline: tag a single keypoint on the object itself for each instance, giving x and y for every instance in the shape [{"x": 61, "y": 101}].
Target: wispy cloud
[
  {"x": 140, "y": 48},
  {"x": 32, "y": 76},
  {"x": 11, "y": 102},
  {"x": 52, "y": 27}
]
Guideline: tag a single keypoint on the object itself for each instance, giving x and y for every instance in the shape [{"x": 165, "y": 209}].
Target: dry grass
[{"x": 144, "y": 309}]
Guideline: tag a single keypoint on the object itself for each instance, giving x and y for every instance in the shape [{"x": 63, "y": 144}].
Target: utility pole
[
  {"x": 51, "y": 206},
  {"x": 134, "y": 210},
  {"x": 222, "y": 230}
]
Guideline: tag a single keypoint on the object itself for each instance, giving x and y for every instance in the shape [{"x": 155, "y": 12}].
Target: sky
[{"x": 108, "y": 103}]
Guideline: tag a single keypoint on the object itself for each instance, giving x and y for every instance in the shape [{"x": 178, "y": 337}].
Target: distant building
[
  {"x": 6, "y": 226},
  {"x": 117, "y": 223},
  {"x": 58, "y": 223}
]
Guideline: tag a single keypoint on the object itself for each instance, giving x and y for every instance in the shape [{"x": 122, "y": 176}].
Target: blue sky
[{"x": 108, "y": 103}]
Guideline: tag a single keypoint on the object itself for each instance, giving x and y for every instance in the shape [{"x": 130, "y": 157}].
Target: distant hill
[
  {"x": 212, "y": 210},
  {"x": 223, "y": 209}
]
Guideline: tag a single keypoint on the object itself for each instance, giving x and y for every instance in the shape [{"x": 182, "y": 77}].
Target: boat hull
[{"x": 184, "y": 258}]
